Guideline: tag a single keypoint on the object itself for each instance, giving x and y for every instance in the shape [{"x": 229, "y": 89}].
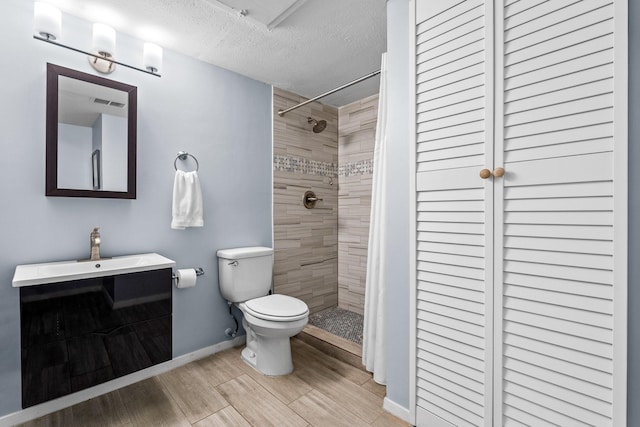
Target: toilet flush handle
[{"x": 234, "y": 263}]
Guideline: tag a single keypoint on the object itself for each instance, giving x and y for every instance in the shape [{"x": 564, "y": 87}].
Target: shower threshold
[{"x": 317, "y": 334}]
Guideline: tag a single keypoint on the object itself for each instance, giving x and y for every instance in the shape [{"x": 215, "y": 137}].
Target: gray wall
[
  {"x": 398, "y": 57},
  {"x": 398, "y": 218},
  {"x": 633, "y": 362},
  {"x": 221, "y": 117}
]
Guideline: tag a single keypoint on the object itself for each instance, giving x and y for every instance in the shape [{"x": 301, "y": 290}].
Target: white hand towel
[{"x": 187, "y": 201}]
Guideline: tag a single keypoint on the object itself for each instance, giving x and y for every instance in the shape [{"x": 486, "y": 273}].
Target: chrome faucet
[{"x": 95, "y": 244}]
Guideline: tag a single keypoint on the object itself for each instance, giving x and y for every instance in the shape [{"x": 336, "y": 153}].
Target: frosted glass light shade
[
  {"x": 152, "y": 57},
  {"x": 47, "y": 20},
  {"x": 104, "y": 39}
]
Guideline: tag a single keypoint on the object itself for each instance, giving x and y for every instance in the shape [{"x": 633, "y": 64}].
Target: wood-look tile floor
[{"x": 221, "y": 390}]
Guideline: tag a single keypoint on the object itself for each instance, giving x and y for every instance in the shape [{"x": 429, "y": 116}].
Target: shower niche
[{"x": 77, "y": 334}]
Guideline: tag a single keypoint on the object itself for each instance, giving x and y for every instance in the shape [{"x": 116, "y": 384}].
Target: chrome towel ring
[{"x": 182, "y": 155}]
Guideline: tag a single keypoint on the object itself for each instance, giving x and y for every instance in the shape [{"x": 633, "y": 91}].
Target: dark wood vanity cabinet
[{"x": 81, "y": 333}]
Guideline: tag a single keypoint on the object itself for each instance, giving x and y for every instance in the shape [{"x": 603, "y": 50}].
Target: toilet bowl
[{"x": 270, "y": 321}]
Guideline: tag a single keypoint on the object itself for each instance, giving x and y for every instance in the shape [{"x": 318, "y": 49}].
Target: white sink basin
[{"x": 64, "y": 271}]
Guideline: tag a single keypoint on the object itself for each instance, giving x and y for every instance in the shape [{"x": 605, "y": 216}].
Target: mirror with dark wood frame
[{"x": 91, "y": 135}]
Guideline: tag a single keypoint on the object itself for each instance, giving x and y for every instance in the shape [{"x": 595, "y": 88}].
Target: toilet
[{"x": 245, "y": 276}]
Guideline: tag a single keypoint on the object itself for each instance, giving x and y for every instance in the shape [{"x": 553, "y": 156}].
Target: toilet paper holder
[{"x": 199, "y": 272}]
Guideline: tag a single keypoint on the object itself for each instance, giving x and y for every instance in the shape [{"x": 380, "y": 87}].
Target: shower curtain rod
[{"x": 344, "y": 86}]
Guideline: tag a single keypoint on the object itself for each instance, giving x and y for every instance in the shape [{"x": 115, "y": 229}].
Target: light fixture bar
[{"x": 44, "y": 39}]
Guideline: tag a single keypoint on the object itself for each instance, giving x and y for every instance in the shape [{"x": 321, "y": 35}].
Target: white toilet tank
[{"x": 245, "y": 273}]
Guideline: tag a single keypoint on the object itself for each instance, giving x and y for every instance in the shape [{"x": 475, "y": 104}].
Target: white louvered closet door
[
  {"x": 560, "y": 214},
  {"x": 454, "y": 212},
  {"x": 520, "y": 296}
]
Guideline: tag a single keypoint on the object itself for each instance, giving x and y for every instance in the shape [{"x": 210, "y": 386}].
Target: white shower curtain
[{"x": 373, "y": 340}]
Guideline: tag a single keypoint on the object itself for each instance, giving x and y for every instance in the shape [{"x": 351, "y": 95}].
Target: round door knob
[
  {"x": 485, "y": 173},
  {"x": 498, "y": 172}
]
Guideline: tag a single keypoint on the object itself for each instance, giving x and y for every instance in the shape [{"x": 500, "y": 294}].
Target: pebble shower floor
[{"x": 340, "y": 322}]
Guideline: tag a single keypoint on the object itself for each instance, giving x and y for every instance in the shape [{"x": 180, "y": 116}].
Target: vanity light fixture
[
  {"x": 152, "y": 57},
  {"x": 47, "y": 20},
  {"x": 47, "y": 28},
  {"x": 103, "y": 48}
]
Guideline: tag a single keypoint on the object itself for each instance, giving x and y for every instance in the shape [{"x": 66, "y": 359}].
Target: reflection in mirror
[
  {"x": 91, "y": 135},
  {"x": 96, "y": 169},
  {"x": 91, "y": 118}
]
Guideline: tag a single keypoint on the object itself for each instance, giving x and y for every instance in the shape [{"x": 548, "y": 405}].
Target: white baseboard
[
  {"x": 395, "y": 409},
  {"x": 45, "y": 408}
]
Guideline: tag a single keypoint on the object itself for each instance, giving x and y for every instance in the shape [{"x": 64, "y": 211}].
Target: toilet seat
[{"x": 277, "y": 308}]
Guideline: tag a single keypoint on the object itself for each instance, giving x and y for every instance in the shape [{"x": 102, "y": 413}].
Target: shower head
[{"x": 318, "y": 126}]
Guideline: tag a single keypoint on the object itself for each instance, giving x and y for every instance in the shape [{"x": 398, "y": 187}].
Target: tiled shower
[
  {"x": 321, "y": 253},
  {"x": 305, "y": 241}
]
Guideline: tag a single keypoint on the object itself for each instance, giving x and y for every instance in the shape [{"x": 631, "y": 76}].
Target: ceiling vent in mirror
[{"x": 110, "y": 103}]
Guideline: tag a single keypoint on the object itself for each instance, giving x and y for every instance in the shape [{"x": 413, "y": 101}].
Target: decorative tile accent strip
[
  {"x": 304, "y": 166},
  {"x": 363, "y": 167}
]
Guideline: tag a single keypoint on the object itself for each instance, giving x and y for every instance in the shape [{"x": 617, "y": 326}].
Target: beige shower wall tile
[
  {"x": 305, "y": 241},
  {"x": 356, "y": 143},
  {"x": 356, "y": 156}
]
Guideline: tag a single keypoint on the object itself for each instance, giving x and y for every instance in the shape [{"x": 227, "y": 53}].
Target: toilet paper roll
[{"x": 186, "y": 278}]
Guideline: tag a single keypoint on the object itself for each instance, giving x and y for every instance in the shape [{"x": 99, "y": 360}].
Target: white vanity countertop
[{"x": 64, "y": 271}]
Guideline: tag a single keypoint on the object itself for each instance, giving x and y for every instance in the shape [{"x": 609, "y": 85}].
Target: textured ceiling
[{"x": 304, "y": 46}]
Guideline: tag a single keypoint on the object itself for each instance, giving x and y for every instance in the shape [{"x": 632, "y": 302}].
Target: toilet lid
[{"x": 277, "y": 307}]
